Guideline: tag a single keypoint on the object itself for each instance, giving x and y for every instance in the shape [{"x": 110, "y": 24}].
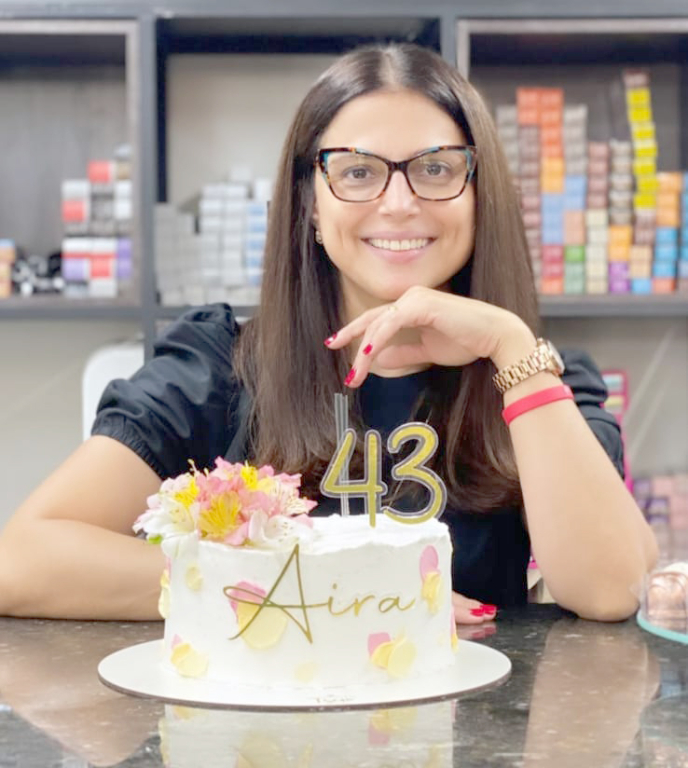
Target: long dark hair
[{"x": 292, "y": 377}]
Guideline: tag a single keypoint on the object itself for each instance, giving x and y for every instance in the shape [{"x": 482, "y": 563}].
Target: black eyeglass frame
[{"x": 469, "y": 150}]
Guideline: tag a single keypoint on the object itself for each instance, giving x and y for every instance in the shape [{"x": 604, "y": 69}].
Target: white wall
[{"x": 41, "y": 364}]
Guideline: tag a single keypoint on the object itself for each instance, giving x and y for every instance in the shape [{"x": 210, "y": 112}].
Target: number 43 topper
[{"x": 336, "y": 483}]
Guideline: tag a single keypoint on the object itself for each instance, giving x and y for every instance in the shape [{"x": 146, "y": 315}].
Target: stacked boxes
[
  {"x": 597, "y": 218},
  {"x": 225, "y": 259},
  {"x": 8, "y": 255},
  {"x": 575, "y": 120},
  {"x": 616, "y": 403},
  {"x": 682, "y": 270},
  {"x": 97, "y": 214}
]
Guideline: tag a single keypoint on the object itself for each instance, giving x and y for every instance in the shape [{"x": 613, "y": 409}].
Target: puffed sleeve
[
  {"x": 181, "y": 404},
  {"x": 590, "y": 392}
]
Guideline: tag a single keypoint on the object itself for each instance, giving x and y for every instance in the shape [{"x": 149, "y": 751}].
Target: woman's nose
[{"x": 399, "y": 196}]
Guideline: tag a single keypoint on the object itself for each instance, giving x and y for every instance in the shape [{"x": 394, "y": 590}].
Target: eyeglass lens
[{"x": 435, "y": 175}]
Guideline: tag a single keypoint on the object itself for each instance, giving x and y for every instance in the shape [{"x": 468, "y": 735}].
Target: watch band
[{"x": 543, "y": 358}]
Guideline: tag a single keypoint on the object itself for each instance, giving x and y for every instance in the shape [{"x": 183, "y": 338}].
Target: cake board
[
  {"x": 138, "y": 671},
  {"x": 667, "y": 634}
]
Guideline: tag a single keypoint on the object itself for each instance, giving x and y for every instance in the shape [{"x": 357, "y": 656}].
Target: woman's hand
[
  {"x": 429, "y": 327},
  {"x": 467, "y": 611}
]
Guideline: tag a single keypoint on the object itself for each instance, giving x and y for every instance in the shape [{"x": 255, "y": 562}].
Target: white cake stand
[{"x": 138, "y": 670}]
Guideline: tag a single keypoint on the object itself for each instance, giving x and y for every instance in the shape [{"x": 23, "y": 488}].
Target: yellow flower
[
  {"x": 249, "y": 475},
  {"x": 187, "y": 496},
  {"x": 221, "y": 518}
]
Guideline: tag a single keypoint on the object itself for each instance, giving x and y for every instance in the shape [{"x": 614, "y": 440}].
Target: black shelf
[
  {"x": 59, "y": 308},
  {"x": 611, "y": 305}
]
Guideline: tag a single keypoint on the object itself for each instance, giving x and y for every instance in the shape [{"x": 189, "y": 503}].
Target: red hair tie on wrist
[{"x": 530, "y": 402}]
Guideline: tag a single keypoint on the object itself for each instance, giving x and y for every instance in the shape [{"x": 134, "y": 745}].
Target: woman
[{"x": 395, "y": 235}]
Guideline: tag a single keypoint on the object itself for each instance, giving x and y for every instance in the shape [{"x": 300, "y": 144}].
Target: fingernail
[
  {"x": 477, "y": 611},
  {"x": 330, "y": 339},
  {"x": 367, "y": 349},
  {"x": 350, "y": 376},
  {"x": 489, "y": 608}
]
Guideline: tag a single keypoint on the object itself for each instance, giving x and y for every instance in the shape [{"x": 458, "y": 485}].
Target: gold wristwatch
[{"x": 543, "y": 358}]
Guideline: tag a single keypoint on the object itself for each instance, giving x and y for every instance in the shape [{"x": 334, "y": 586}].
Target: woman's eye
[
  {"x": 358, "y": 173},
  {"x": 434, "y": 169}
]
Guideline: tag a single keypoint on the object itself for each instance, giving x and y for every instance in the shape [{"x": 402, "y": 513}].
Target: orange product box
[
  {"x": 552, "y": 98},
  {"x": 668, "y": 217},
  {"x": 552, "y": 182},
  {"x": 641, "y": 254},
  {"x": 552, "y": 149},
  {"x": 552, "y": 285},
  {"x": 5, "y": 270},
  {"x": 552, "y": 166},
  {"x": 620, "y": 235},
  {"x": 7, "y": 252},
  {"x": 551, "y": 134},
  {"x": 663, "y": 284},
  {"x": 528, "y": 116},
  {"x": 551, "y": 116},
  {"x": 618, "y": 252},
  {"x": 527, "y": 98},
  {"x": 5, "y": 289},
  {"x": 670, "y": 182},
  {"x": 668, "y": 200}
]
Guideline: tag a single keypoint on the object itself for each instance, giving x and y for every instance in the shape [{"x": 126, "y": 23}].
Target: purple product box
[
  {"x": 618, "y": 270},
  {"x": 76, "y": 270},
  {"x": 124, "y": 256},
  {"x": 619, "y": 285}
]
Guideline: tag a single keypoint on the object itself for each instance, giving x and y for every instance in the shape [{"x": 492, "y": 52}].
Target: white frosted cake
[{"x": 279, "y": 599}]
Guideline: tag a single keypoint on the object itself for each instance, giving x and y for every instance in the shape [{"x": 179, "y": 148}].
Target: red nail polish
[
  {"x": 368, "y": 349},
  {"x": 487, "y": 608},
  {"x": 477, "y": 611},
  {"x": 350, "y": 376},
  {"x": 330, "y": 339}
]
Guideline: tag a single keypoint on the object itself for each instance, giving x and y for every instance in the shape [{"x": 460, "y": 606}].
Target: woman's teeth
[{"x": 399, "y": 245}]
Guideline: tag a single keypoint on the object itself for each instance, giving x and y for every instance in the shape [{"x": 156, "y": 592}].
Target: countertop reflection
[{"x": 580, "y": 694}]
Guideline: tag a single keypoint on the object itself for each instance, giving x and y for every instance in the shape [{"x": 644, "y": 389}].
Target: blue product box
[
  {"x": 668, "y": 253},
  {"x": 685, "y": 180},
  {"x": 256, "y": 224},
  {"x": 641, "y": 285},
  {"x": 683, "y": 254},
  {"x": 683, "y": 268},
  {"x": 553, "y": 220},
  {"x": 575, "y": 185},
  {"x": 666, "y": 236},
  {"x": 552, "y": 203},
  {"x": 574, "y": 202},
  {"x": 553, "y": 235},
  {"x": 684, "y": 201},
  {"x": 664, "y": 269},
  {"x": 256, "y": 209}
]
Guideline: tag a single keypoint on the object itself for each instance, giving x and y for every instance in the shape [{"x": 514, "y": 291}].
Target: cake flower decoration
[{"x": 234, "y": 504}]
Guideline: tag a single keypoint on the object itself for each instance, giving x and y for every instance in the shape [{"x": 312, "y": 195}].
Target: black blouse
[{"x": 185, "y": 404}]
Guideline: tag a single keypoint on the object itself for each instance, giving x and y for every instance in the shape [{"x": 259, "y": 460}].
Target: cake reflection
[{"x": 412, "y": 737}]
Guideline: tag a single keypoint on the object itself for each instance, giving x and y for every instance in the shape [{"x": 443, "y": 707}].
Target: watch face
[{"x": 556, "y": 357}]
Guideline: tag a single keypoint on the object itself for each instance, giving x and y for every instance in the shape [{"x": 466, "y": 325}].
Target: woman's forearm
[{"x": 70, "y": 569}]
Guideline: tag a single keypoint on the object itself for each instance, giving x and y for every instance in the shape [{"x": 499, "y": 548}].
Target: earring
[{"x": 318, "y": 237}]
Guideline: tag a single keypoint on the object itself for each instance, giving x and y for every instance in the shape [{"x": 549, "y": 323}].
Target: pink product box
[
  {"x": 552, "y": 254},
  {"x": 598, "y": 184},
  {"x": 532, "y": 219},
  {"x": 598, "y": 150},
  {"x": 529, "y": 186},
  {"x": 531, "y": 202},
  {"x": 552, "y": 269},
  {"x": 598, "y": 167}
]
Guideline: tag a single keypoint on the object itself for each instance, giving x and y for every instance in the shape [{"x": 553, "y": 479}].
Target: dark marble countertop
[{"x": 580, "y": 694}]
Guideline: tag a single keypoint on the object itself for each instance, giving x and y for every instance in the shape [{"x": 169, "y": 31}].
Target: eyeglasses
[{"x": 356, "y": 176}]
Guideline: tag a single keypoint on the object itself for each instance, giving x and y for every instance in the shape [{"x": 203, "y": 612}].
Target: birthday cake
[{"x": 257, "y": 592}]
